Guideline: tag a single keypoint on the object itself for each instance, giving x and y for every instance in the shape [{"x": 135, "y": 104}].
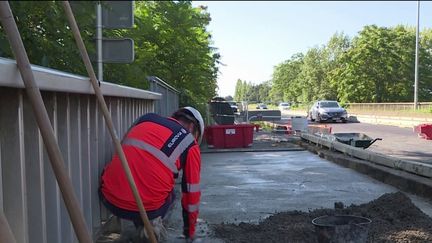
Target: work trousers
[{"x": 135, "y": 216}]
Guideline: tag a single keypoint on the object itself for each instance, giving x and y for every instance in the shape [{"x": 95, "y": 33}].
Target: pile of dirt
[{"x": 394, "y": 219}]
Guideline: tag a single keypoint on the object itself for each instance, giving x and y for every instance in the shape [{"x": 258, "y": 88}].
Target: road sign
[
  {"x": 118, "y": 50},
  {"x": 117, "y": 14}
]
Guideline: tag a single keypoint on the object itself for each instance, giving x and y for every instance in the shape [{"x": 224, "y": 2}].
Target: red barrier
[
  {"x": 230, "y": 136},
  {"x": 424, "y": 131},
  {"x": 257, "y": 127},
  {"x": 287, "y": 129}
]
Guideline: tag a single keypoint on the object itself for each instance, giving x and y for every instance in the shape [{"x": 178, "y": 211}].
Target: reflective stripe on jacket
[{"x": 156, "y": 148}]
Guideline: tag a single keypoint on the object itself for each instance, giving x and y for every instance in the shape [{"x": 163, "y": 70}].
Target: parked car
[
  {"x": 261, "y": 106},
  {"x": 234, "y": 106},
  {"x": 327, "y": 110},
  {"x": 284, "y": 106}
]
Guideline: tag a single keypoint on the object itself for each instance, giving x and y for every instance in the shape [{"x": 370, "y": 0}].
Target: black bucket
[{"x": 341, "y": 228}]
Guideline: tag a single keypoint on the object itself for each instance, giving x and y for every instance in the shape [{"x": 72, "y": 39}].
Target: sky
[{"x": 254, "y": 36}]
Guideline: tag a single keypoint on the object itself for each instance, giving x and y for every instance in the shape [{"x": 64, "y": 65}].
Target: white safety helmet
[{"x": 197, "y": 115}]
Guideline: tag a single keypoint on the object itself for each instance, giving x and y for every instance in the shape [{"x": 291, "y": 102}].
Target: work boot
[
  {"x": 158, "y": 229},
  {"x": 139, "y": 236}
]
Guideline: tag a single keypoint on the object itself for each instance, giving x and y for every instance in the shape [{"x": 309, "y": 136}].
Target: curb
[{"x": 210, "y": 150}]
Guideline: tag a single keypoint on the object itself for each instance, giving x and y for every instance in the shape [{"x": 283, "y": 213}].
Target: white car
[
  {"x": 327, "y": 110},
  {"x": 261, "y": 106},
  {"x": 284, "y": 106}
]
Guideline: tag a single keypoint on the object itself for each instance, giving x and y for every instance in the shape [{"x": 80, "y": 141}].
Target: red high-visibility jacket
[{"x": 156, "y": 148}]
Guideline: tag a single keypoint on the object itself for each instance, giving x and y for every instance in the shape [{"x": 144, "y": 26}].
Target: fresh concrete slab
[{"x": 248, "y": 186}]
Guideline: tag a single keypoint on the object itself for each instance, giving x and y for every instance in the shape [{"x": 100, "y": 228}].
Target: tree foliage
[
  {"x": 285, "y": 84},
  {"x": 171, "y": 42},
  {"x": 246, "y": 91},
  {"x": 46, "y": 35},
  {"x": 377, "y": 65},
  {"x": 380, "y": 66}
]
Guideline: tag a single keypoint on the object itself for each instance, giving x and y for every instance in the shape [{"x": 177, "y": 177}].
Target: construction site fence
[{"x": 29, "y": 195}]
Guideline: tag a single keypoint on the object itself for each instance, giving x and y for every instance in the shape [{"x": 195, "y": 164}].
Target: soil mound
[{"x": 394, "y": 219}]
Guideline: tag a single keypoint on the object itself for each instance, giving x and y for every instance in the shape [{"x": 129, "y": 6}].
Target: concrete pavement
[{"x": 248, "y": 186}]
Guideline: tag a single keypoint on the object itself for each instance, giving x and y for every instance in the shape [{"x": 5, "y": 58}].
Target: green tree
[
  {"x": 264, "y": 92},
  {"x": 171, "y": 42},
  {"x": 285, "y": 83},
  {"x": 46, "y": 35},
  {"x": 312, "y": 76},
  {"x": 379, "y": 66},
  {"x": 335, "y": 48},
  {"x": 238, "y": 95},
  {"x": 425, "y": 66}
]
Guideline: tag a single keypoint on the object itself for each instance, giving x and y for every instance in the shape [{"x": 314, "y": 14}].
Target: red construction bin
[
  {"x": 229, "y": 136},
  {"x": 424, "y": 130}
]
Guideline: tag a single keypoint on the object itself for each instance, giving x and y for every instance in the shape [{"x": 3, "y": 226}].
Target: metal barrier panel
[
  {"x": 388, "y": 106},
  {"x": 170, "y": 96},
  {"x": 263, "y": 115},
  {"x": 29, "y": 195}
]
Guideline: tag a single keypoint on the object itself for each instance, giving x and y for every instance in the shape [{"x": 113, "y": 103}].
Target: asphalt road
[{"x": 399, "y": 142}]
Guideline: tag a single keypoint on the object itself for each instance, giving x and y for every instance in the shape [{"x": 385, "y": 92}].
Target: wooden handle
[
  {"x": 44, "y": 123},
  {"x": 148, "y": 227}
]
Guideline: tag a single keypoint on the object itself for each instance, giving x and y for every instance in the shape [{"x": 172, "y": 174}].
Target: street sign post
[
  {"x": 118, "y": 50},
  {"x": 113, "y": 15},
  {"x": 117, "y": 14}
]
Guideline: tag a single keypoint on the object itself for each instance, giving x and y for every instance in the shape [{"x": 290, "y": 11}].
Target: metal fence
[
  {"x": 29, "y": 195},
  {"x": 388, "y": 106},
  {"x": 170, "y": 96}
]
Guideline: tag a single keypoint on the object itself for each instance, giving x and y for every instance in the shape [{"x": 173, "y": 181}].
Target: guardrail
[
  {"x": 29, "y": 195},
  {"x": 389, "y": 106}
]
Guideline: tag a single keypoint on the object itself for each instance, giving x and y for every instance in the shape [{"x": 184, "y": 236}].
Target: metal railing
[
  {"x": 170, "y": 96},
  {"x": 29, "y": 195},
  {"x": 388, "y": 106}
]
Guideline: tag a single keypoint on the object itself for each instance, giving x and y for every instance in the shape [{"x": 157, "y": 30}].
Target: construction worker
[{"x": 156, "y": 149}]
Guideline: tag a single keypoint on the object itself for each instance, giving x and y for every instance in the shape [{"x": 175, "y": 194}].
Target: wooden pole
[
  {"x": 75, "y": 30},
  {"x": 6, "y": 235},
  {"x": 44, "y": 123}
]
